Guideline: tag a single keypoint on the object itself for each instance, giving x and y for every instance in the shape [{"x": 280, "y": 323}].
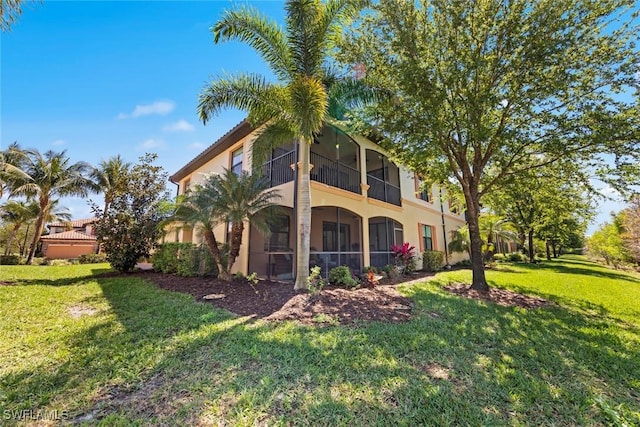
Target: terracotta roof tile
[
  {"x": 74, "y": 223},
  {"x": 69, "y": 235}
]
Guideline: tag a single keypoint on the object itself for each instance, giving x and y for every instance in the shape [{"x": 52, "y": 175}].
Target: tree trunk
[
  {"x": 303, "y": 215},
  {"x": 532, "y": 251},
  {"x": 548, "y": 250},
  {"x": 555, "y": 252},
  {"x": 12, "y": 236},
  {"x": 479, "y": 281},
  {"x": 234, "y": 244},
  {"x": 210, "y": 238},
  {"x": 44, "y": 212}
]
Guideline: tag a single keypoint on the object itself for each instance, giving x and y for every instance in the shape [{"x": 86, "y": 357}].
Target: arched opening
[
  {"x": 336, "y": 239},
  {"x": 383, "y": 234},
  {"x": 336, "y": 160}
]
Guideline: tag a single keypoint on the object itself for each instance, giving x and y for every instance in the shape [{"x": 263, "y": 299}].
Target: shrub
[
  {"x": 404, "y": 257},
  {"x": 499, "y": 258},
  {"x": 432, "y": 260},
  {"x": 315, "y": 282},
  {"x": 515, "y": 257},
  {"x": 184, "y": 259},
  {"x": 92, "y": 258},
  {"x": 58, "y": 262},
  {"x": 341, "y": 276},
  {"x": 464, "y": 263},
  {"x": 10, "y": 259}
]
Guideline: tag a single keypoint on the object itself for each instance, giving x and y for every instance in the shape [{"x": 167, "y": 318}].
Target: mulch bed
[
  {"x": 271, "y": 300},
  {"x": 276, "y": 301}
]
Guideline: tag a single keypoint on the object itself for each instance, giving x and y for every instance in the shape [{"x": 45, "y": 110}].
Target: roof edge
[{"x": 238, "y": 132}]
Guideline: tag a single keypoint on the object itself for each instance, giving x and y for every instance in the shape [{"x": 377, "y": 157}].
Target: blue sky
[{"x": 104, "y": 78}]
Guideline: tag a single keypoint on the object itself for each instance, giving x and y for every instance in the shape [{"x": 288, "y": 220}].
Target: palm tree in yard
[
  {"x": 51, "y": 176},
  {"x": 227, "y": 199},
  {"x": 111, "y": 178},
  {"x": 305, "y": 96},
  {"x": 21, "y": 212}
]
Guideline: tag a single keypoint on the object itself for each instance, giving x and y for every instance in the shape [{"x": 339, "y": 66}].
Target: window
[
  {"x": 426, "y": 236},
  {"x": 236, "y": 161},
  {"x": 422, "y": 192}
]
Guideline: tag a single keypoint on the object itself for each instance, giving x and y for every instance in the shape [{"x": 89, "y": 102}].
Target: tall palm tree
[
  {"x": 51, "y": 176},
  {"x": 295, "y": 108},
  {"x": 111, "y": 178},
  {"x": 232, "y": 199}
]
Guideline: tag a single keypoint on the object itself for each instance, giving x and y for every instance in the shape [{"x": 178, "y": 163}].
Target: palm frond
[
  {"x": 336, "y": 14},
  {"x": 272, "y": 135},
  {"x": 264, "y": 35},
  {"x": 309, "y": 98},
  {"x": 348, "y": 93},
  {"x": 247, "y": 92},
  {"x": 302, "y": 23}
]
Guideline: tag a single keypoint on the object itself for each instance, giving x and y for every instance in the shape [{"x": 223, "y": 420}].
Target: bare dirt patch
[
  {"x": 502, "y": 297},
  {"x": 77, "y": 311}
]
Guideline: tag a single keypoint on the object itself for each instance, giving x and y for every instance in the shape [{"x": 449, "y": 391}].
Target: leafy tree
[
  {"x": 488, "y": 89},
  {"x": 306, "y": 96},
  {"x": 50, "y": 176},
  {"x": 631, "y": 222},
  {"x": 228, "y": 199},
  {"x": 607, "y": 243},
  {"x": 111, "y": 178},
  {"x": 128, "y": 230},
  {"x": 549, "y": 202}
]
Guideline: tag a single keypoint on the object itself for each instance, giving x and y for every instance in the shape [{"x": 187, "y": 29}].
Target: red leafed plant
[{"x": 404, "y": 257}]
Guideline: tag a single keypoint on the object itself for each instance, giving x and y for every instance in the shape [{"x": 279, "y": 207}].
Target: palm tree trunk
[
  {"x": 303, "y": 216},
  {"x": 210, "y": 238},
  {"x": 12, "y": 236},
  {"x": 234, "y": 245},
  {"x": 44, "y": 212}
]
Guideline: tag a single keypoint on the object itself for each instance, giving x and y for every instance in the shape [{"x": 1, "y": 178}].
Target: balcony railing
[
  {"x": 278, "y": 170},
  {"x": 381, "y": 190},
  {"x": 335, "y": 174}
]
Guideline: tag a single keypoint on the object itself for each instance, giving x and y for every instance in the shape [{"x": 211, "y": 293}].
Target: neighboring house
[
  {"x": 362, "y": 204},
  {"x": 69, "y": 239}
]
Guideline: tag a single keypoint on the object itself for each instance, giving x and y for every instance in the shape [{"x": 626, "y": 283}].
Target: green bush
[
  {"x": 10, "y": 259},
  {"x": 92, "y": 258},
  {"x": 499, "y": 257},
  {"x": 515, "y": 257},
  {"x": 184, "y": 259},
  {"x": 58, "y": 262},
  {"x": 432, "y": 260},
  {"x": 341, "y": 276},
  {"x": 464, "y": 263}
]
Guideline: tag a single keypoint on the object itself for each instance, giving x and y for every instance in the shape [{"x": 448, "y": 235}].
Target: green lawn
[{"x": 120, "y": 352}]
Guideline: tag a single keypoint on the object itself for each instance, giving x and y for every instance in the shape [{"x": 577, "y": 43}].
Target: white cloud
[
  {"x": 161, "y": 108},
  {"x": 197, "y": 146},
  {"x": 180, "y": 126},
  {"x": 151, "y": 143},
  {"x": 58, "y": 142}
]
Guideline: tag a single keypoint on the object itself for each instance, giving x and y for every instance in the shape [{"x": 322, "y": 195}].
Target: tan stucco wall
[{"x": 413, "y": 211}]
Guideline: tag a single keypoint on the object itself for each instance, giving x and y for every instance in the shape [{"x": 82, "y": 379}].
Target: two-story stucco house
[
  {"x": 69, "y": 239},
  {"x": 362, "y": 204}
]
